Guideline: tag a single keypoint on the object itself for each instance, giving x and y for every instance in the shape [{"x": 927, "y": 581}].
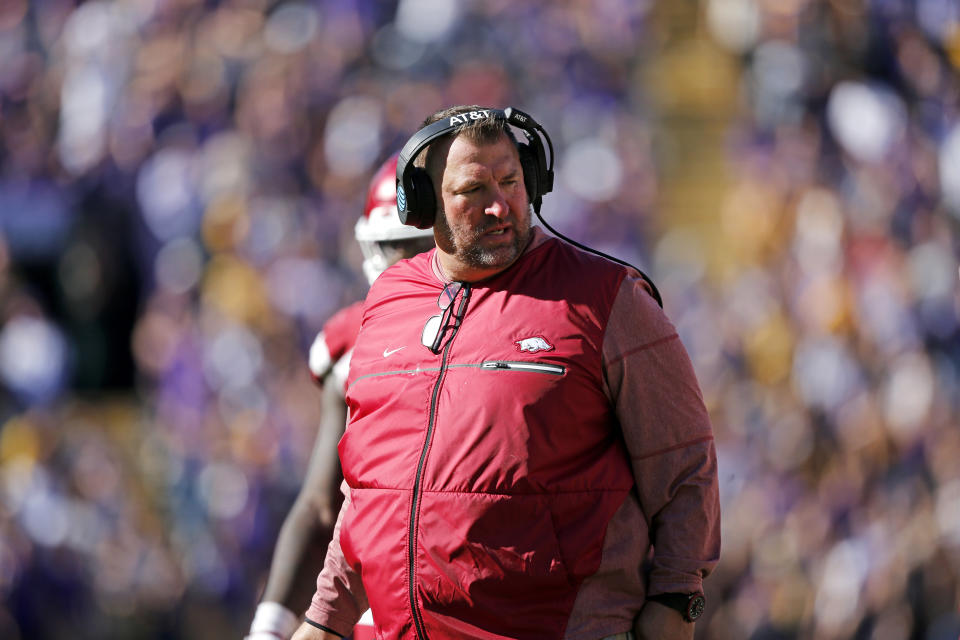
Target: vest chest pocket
[{"x": 531, "y": 367}]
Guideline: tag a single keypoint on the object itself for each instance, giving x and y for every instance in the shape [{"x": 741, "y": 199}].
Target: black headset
[{"x": 416, "y": 200}]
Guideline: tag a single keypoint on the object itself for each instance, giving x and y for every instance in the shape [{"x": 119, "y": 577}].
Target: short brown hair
[{"x": 484, "y": 131}]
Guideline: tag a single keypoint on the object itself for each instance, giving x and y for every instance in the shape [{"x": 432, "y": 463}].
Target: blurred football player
[{"x": 307, "y": 528}]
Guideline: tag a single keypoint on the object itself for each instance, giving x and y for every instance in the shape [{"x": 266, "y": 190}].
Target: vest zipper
[
  {"x": 536, "y": 367},
  {"x": 415, "y": 506}
]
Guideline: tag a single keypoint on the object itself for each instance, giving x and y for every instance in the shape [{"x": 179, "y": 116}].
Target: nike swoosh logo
[{"x": 389, "y": 352}]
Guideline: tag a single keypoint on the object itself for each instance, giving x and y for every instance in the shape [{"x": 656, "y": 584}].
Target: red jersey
[{"x": 335, "y": 340}]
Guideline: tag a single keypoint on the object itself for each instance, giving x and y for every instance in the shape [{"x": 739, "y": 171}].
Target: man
[
  {"x": 528, "y": 453},
  {"x": 306, "y": 530}
]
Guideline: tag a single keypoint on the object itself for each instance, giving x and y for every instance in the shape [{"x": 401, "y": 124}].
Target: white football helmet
[{"x": 383, "y": 238}]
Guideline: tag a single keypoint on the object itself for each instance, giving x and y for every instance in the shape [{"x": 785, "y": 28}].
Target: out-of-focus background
[{"x": 179, "y": 181}]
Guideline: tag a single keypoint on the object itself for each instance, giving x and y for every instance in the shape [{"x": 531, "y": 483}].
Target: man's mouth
[{"x": 497, "y": 231}]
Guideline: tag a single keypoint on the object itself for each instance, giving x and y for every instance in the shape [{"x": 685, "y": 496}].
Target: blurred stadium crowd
[{"x": 178, "y": 185}]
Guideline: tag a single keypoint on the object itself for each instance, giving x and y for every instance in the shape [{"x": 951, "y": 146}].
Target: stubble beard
[{"x": 467, "y": 246}]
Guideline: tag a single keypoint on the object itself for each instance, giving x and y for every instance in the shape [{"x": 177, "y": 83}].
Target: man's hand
[
  {"x": 310, "y": 632},
  {"x": 660, "y": 622}
]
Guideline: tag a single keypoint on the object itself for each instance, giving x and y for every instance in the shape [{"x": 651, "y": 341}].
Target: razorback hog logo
[
  {"x": 533, "y": 345},
  {"x": 463, "y": 118}
]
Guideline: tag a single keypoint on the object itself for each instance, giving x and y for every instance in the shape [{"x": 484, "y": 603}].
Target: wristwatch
[{"x": 689, "y": 604}]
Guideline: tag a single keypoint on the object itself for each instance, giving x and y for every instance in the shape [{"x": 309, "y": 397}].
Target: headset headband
[{"x": 422, "y": 138}]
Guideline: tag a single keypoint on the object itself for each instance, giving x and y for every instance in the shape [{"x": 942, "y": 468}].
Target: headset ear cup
[
  {"x": 421, "y": 200},
  {"x": 530, "y": 172}
]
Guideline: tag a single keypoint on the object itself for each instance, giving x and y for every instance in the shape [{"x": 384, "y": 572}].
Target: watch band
[{"x": 691, "y": 605}]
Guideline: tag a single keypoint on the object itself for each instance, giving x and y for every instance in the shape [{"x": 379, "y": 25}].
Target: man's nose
[{"x": 498, "y": 206}]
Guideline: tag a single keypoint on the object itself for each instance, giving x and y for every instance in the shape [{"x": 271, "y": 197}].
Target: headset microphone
[{"x": 416, "y": 200}]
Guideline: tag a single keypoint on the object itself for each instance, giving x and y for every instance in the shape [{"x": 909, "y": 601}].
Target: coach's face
[{"x": 483, "y": 224}]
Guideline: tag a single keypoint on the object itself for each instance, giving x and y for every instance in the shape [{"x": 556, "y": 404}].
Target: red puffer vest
[{"x": 482, "y": 478}]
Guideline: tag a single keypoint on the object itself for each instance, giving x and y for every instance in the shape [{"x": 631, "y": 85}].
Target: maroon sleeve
[
  {"x": 669, "y": 438},
  {"x": 340, "y": 599}
]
